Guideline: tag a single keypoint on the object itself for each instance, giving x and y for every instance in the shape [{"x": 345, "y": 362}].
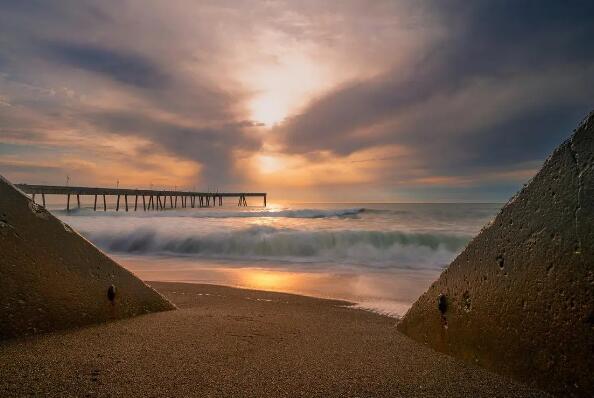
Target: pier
[{"x": 149, "y": 199}]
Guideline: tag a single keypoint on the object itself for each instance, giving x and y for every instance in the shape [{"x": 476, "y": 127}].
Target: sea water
[{"x": 379, "y": 256}]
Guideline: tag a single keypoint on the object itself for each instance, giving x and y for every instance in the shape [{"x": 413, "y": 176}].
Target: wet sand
[{"x": 226, "y": 342}]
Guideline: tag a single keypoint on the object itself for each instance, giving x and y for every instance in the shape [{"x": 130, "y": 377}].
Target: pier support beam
[{"x": 188, "y": 199}]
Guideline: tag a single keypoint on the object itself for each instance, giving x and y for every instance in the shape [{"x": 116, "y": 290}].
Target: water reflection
[{"x": 390, "y": 292}]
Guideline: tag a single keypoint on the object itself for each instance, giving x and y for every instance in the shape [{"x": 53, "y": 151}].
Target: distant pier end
[{"x": 150, "y": 199}]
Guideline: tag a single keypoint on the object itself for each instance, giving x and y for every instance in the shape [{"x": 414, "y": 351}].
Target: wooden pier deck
[{"x": 151, "y": 199}]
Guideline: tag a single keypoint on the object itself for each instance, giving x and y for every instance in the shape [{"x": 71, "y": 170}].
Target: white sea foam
[
  {"x": 381, "y": 256},
  {"x": 391, "y": 308},
  {"x": 369, "y": 248},
  {"x": 213, "y": 213}
]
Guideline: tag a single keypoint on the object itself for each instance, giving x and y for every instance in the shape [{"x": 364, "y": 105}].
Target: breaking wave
[
  {"x": 370, "y": 248},
  {"x": 212, "y": 213}
]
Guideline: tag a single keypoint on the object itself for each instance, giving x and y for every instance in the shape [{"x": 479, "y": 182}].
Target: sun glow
[
  {"x": 269, "y": 164},
  {"x": 268, "y": 280},
  {"x": 268, "y": 109},
  {"x": 283, "y": 76}
]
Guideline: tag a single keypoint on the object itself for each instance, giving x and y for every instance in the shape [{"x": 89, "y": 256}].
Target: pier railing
[{"x": 151, "y": 199}]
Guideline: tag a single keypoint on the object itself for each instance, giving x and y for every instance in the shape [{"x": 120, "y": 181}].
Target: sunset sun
[{"x": 268, "y": 110}]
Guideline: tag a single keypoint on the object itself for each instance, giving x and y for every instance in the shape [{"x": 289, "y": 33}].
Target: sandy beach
[{"x": 225, "y": 342}]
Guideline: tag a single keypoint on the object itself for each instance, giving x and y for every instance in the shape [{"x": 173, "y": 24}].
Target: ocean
[{"x": 379, "y": 256}]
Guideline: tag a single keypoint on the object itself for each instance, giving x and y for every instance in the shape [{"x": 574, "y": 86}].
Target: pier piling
[{"x": 187, "y": 199}]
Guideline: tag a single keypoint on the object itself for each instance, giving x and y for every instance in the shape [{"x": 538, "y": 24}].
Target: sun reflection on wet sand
[
  {"x": 390, "y": 293},
  {"x": 267, "y": 280}
]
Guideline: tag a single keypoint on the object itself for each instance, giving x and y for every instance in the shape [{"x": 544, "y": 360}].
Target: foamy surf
[
  {"x": 378, "y": 249},
  {"x": 378, "y": 256},
  {"x": 213, "y": 213},
  {"x": 393, "y": 309}
]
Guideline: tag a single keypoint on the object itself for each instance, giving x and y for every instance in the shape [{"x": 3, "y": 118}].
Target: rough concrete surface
[
  {"x": 519, "y": 300},
  {"x": 226, "y": 342},
  {"x": 51, "y": 278}
]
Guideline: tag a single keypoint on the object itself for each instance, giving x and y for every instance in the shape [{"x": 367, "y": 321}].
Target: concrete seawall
[
  {"x": 519, "y": 300},
  {"x": 51, "y": 278}
]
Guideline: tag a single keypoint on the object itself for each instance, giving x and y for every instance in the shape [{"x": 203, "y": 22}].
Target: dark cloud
[
  {"x": 493, "y": 45},
  {"x": 524, "y": 137},
  {"x": 125, "y": 67},
  {"x": 45, "y": 46},
  {"x": 212, "y": 147}
]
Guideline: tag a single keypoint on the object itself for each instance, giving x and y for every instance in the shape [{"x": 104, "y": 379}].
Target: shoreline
[
  {"x": 385, "y": 292},
  {"x": 224, "y": 341}
]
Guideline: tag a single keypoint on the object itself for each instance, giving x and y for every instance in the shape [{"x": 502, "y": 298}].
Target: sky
[{"x": 362, "y": 101}]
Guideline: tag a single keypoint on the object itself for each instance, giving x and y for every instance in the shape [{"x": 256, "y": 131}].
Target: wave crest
[
  {"x": 373, "y": 248},
  {"x": 211, "y": 213}
]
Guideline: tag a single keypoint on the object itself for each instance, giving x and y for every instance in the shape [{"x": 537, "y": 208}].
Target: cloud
[
  {"x": 521, "y": 69},
  {"x": 212, "y": 147},
  {"x": 78, "y": 75},
  {"x": 126, "y": 67},
  {"x": 431, "y": 97}
]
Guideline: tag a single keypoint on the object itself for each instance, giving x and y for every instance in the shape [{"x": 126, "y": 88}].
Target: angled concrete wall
[
  {"x": 519, "y": 300},
  {"x": 51, "y": 278}
]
